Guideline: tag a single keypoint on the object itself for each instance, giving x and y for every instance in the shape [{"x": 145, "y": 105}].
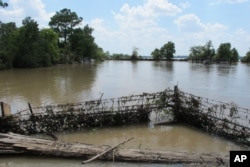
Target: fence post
[
  {"x": 6, "y": 109},
  {"x": 176, "y": 99},
  {"x": 30, "y": 108}
]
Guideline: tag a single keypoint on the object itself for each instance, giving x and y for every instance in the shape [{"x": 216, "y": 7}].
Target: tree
[
  {"x": 156, "y": 54},
  {"x": 64, "y": 21},
  {"x": 7, "y": 31},
  {"x": 49, "y": 51},
  {"x": 246, "y": 58},
  {"x": 203, "y": 53},
  {"x": 134, "y": 55},
  {"x": 234, "y": 55},
  {"x": 26, "y": 53},
  {"x": 3, "y": 4},
  {"x": 209, "y": 52},
  {"x": 83, "y": 45},
  {"x": 224, "y": 52},
  {"x": 168, "y": 50},
  {"x": 197, "y": 53}
]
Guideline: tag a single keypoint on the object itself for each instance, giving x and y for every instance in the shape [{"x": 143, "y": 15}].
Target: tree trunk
[{"x": 11, "y": 143}]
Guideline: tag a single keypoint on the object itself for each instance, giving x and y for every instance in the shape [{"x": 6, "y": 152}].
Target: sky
[{"x": 121, "y": 25}]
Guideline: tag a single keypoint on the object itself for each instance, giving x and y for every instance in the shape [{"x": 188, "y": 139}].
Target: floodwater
[{"x": 80, "y": 82}]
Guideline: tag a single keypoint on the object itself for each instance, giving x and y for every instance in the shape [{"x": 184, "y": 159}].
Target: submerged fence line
[
  {"x": 125, "y": 103},
  {"x": 224, "y": 119}
]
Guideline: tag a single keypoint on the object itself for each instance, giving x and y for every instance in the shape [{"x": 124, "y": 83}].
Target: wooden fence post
[
  {"x": 6, "y": 109},
  {"x": 30, "y": 108}
]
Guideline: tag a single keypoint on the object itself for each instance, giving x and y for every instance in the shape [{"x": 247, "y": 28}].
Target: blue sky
[{"x": 120, "y": 25}]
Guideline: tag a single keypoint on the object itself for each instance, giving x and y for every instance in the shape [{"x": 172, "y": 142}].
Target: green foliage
[
  {"x": 120, "y": 56},
  {"x": 202, "y": 53},
  {"x": 48, "y": 45},
  {"x": 83, "y": 45},
  {"x": 156, "y": 54},
  {"x": 27, "y": 38},
  {"x": 207, "y": 54},
  {"x": 234, "y": 55},
  {"x": 3, "y": 4},
  {"x": 196, "y": 52},
  {"x": 246, "y": 58},
  {"x": 64, "y": 21},
  {"x": 225, "y": 53},
  {"x": 134, "y": 55},
  {"x": 29, "y": 47},
  {"x": 7, "y": 32},
  {"x": 166, "y": 51}
]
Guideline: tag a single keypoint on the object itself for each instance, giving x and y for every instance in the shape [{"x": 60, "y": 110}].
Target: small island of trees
[{"x": 207, "y": 53}]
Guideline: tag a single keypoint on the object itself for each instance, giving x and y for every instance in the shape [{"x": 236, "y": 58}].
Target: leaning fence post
[{"x": 30, "y": 108}]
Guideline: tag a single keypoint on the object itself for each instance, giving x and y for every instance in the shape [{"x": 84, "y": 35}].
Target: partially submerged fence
[
  {"x": 215, "y": 117},
  {"x": 224, "y": 119}
]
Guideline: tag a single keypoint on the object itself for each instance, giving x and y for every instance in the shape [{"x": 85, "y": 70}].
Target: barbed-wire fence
[{"x": 224, "y": 119}]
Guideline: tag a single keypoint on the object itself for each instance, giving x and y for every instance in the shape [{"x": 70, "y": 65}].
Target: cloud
[
  {"x": 19, "y": 9},
  {"x": 185, "y": 5},
  {"x": 136, "y": 26},
  {"x": 194, "y": 31},
  {"x": 141, "y": 26},
  {"x": 217, "y": 33},
  {"x": 146, "y": 14},
  {"x": 189, "y": 23}
]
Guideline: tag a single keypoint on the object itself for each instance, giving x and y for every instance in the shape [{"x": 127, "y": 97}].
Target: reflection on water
[
  {"x": 44, "y": 162},
  {"x": 80, "y": 82},
  {"x": 59, "y": 84},
  {"x": 171, "y": 138}
]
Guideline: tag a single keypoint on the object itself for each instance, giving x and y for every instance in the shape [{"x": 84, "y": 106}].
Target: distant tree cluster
[
  {"x": 135, "y": 55},
  {"x": 121, "y": 56},
  {"x": 246, "y": 58},
  {"x": 3, "y": 4},
  {"x": 207, "y": 53},
  {"x": 29, "y": 47},
  {"x": 167, "y": 51}
]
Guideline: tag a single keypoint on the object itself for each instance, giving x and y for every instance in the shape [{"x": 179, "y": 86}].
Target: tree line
[
  {"x": 63, "y": 42},
  {"x": 203, "y": 53},
  {"x": 207, "y": 54}
]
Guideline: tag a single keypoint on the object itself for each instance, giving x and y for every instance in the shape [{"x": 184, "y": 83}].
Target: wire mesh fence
[{"x": 224, "y": 119}]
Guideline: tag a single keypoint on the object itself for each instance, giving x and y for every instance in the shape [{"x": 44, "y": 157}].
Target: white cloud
[
  {"x": 189, "y": 23},
  {"x": 146, "y": 14},
  {"x": 136, "y": 26},
  {"x": 19, "y": 9},
  {"x": 185, "y": 5},
  {"x": 195, "y": 32}
]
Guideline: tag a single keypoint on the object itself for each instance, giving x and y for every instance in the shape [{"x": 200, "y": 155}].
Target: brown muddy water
[
  {"x": 80, "y": 82},
  {"x": 146, "y": 136}
]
